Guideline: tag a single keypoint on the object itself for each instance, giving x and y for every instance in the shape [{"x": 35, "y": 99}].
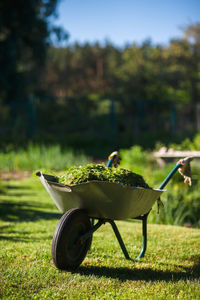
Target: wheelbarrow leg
[
  {"x": 92, "y": 221},
  {"x": 92, "y": 224},
  {"x": 92, "y": 230},
  {"x": 119, "y": 238},
  {"x": 144, "y": 237}
]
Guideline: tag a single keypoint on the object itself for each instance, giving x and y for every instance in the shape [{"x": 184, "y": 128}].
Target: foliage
[
  {"x": 93, "y": 94},
  {"x": 181, "y": 206},
  {"x": 181, "y": 202},
  {"x": 100, "y": 172},
  {"x": 40, "y": 157},
  {"x": 28, "y": 217},
  {"x": 188, "y": 144},
  {"x": 135, "y": 158},
  {"x": 82, "y": 70},
  {"x": 25, "y": 35},
  {"x": 137, "y": 72}
]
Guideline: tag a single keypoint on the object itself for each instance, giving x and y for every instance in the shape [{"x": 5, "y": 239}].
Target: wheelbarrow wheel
[{"x": 68, "y": 251}]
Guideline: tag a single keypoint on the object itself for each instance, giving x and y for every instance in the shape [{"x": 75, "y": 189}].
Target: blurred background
[
  {"x": 80, "y": 79},
  {"x": 87, "y": 74}
]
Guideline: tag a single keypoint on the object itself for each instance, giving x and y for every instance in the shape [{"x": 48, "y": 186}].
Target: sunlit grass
[
  {"x": 28, "y": 217},
  {"x": 40, "y": 157}
]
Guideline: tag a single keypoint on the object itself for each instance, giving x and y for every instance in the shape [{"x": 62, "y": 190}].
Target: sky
[{"x": 126, "y": 21}]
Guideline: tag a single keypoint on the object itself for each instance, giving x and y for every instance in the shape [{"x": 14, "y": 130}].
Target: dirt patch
[{"x": 16, "y": 175}]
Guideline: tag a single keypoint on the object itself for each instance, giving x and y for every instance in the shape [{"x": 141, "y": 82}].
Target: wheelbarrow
[{"x": 87, "y": 206}]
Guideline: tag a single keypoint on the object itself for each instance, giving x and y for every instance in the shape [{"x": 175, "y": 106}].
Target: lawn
[{"x": 28, "y": 217}]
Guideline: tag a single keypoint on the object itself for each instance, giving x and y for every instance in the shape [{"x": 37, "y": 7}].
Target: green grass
[
  {"x": 40, "y": 157},
  {"x": 28, "y": 217}
]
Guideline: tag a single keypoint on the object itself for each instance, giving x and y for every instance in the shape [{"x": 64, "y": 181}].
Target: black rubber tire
[{"x": 67, "y": 251}]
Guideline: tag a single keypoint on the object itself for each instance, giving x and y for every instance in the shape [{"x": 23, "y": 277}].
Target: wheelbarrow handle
[
  {"x": 179, "y": 164},
  {"x": 113, "y": 159},
  {"x": 169, "y": 176}
]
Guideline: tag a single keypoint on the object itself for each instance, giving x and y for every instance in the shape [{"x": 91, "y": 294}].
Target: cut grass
[{"x": 28, "y": 217}]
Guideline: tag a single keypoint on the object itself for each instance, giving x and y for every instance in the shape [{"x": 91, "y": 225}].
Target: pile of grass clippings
[{"x": 100, "y": 172}]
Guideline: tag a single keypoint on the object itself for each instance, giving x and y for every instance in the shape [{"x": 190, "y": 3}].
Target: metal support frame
[
  {"x": 119, "y": 238},
  {"x": 144, "y": 237},
  {"x": 85, "y": 236},
  {"x": 100, "y": 222}
]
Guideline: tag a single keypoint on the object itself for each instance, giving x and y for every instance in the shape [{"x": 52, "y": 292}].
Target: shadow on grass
[
  {"x": 18, "y": 191},
  {"x": 24, "y": 239},
  {"x": 24, "y": 212},
  {"x": 143, "y": 274},
  {"x": 15, "y": 187},
  {"x": 7, "y": 233}
]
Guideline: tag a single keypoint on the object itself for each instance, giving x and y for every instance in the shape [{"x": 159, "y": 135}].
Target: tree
[
  {"x": 138, "y": 72},
  {"x": 25, "y": 33},
  {"x": 182, "y": 64}
]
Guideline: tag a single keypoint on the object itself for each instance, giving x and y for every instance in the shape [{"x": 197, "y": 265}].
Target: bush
[
  {"x": 135, "y": 159},
  {"x": 188, "y": 144},
  {"x": 181, "y": 202},
  {"x": 181, "y": 205}
]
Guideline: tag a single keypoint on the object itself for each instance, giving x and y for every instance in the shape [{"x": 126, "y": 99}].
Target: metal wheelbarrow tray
[{"x": 104, "y": 201}]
